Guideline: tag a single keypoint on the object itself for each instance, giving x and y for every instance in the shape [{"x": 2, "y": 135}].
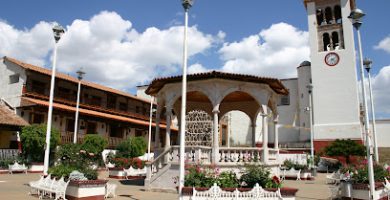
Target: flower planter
[
  {"x": 35, "y": 168},
  {"x": 287, "y": 193},
  {"x": 361, "y": 191},
  {"x": 3, "y": 171},
  {"x": 117, "y": 173},
  {"x": 86, "y": 190}
]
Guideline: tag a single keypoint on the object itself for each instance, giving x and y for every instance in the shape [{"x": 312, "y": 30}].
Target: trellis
[{"x": 199, "y": 128}]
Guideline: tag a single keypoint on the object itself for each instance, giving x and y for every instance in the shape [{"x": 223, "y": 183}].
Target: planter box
[
  {"x": 117, "y": 173},
  {"x": 36, "y": 168},
  {"x": 361, "y": 191},
  {"x": 287, "y": 193},
  {"x": 86, "y": 190},
  {"x": 3, "y": 171}
]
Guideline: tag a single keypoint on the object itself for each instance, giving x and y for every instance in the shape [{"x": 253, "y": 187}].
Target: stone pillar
[
  {"x": 276, "y": 134},
  {"x": 253, "y": 134},
  {"x": 215, "y": 156},
  {"x": 157, "y": 133},
  {"x": 168, "y": 114},
  {"x": 265, "y": 139}
]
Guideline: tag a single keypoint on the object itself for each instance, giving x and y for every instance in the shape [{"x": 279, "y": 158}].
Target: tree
[
  {"x": 345, "y": 148},
  {"x": 132, "y": 147},
  {"x": 33, "y": 140},
  {"x": 94, "y": 144}
]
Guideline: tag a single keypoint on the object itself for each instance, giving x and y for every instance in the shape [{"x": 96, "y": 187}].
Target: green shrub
[
  {"x": 361, "y": 174},
  {"x": 61, "y": 170},
  {"x": 33, "y": 138},
  {"x": 131, "y": 147},
  {"x": 5, "y": 162},
  {"x": 198, "y": 177},
  {"x": 345, "y": 148},
  {"x": 228, "y": 180},
  {"x": 94, "y": 144},
  {"x": 256, "y": 174},
  {"x": 68, "y": 153}
]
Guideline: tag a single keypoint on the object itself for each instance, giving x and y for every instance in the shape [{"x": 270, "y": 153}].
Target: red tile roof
[
  {"x": 9, "y": 118},
  {"x": 274, "y": 84},
  {"x": 31, "y": 101},
  {"x": 62, "y": 76}
]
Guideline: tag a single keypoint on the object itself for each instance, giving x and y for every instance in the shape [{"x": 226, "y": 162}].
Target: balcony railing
[{"x": 67, "y": 138}]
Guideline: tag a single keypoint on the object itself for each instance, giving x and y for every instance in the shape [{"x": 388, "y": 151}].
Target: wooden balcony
[{"x": 67, "y": 138}]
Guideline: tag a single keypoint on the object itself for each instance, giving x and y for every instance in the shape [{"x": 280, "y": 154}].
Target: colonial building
[{"x": 111, "y": 113}]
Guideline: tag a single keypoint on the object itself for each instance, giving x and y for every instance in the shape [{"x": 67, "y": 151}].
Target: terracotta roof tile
[
  {"x": 274, "y": 83},
  {"x": 83, "y": 111},
  {"x": 63, "y": 76},
  {"x": 8, "y": 117}
]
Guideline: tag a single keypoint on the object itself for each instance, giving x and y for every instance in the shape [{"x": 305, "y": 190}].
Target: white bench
[
  {"x": 135, "y": 172},
  {"x": 16, "y": 167},
  {"x": 387, "y": 188},
  {"x": 49, "y": 187},
  {"x": 216, "y": 193},
  {"x": 333, "y": 178},
  {"x": 291, "y": 173}
]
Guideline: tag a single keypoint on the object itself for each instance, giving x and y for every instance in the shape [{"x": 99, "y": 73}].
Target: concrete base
[
  {"x": 36, "y": 168},
  {"x": 86, "y": 190}
]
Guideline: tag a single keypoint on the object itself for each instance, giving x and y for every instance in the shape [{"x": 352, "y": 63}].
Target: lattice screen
[{"x": 199, "y": 128}]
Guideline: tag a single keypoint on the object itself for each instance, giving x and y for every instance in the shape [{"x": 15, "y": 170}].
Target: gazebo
[{"x": 214, "y": 94}]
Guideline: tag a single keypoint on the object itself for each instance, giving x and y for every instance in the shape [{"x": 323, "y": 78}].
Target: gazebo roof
[{"x": 275, "y": 84}]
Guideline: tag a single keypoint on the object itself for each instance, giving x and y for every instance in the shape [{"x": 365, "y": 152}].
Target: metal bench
[{"x": 16, "y": 167}]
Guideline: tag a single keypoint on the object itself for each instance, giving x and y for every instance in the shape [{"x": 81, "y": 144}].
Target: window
[
  {"x": 335, "y": 39},
  {"x": 70, "y": 125},
  {"x": 111, "y": 101},
  {"x": 137, "y": 109},
  {"x": 38, "y": 87},
  {"x": 328, "y": 15},
  {"x": 284, "y": 100},
  {"x": 14, "y": 79},
  {"x": 320, "y": 17},
  {"x": 326, "y": 41},
  {"x": 138, "y": 133},
  {"x": 337, "y": 14},
  {"x": 123, "y": 106},
  {"x": 116, "y": 130},
  {"x": 37, "y": 118},
  {"x": 91, "y": 128}
]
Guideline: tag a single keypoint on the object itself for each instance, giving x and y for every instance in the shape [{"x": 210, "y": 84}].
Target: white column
[
  {"x": 157, "y": 135},
  {"x": 253, "y": 134},
  {"x": 215, "y": 157},
  {"x": 276, "y": 134},
  {"x": 168, "y": 114},
  {"x": 265, "y": 139}
]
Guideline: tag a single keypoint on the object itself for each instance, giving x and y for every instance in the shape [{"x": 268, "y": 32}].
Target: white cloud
[
  {"x": 29, "y": 45},
  {"x": 384, "y": 44},
  {"x": 109, "y": 50},
  {"x": 275, "y": 52},
  {"x": 196, "y": 68},
  {"x": 381, "y": 90}
]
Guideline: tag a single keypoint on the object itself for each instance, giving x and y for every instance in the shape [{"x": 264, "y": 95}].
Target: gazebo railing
[
  {"x": 195, "y": 154},
  {"x": 237, "y": 155}
]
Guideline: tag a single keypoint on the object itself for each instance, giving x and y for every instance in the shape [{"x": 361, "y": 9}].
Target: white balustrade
[{"x": 237, "y": 155}]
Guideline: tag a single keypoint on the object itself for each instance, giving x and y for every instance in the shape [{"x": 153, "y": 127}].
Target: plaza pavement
[{"x": 15, "y": 187}]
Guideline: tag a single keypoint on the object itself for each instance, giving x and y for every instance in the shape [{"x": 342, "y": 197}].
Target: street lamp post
[
  {"x": 80, "y": 74},
  {"x": 356, "y": 16},
  {"x": 58, "y": 32},
  {"x": 150, "y": 126},
  {"x": 186, "y": 5},
  {"x": 310, "y": 109},
  {"x": 367, "y": 65}
]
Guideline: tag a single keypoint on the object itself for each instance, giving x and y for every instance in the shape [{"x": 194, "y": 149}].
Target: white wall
[
  {"x": 382, "y": 132},
  {"x": 11, "y": 92}
]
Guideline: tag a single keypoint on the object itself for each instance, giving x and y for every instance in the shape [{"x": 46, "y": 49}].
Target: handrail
[{"x": 159, "y": 156}]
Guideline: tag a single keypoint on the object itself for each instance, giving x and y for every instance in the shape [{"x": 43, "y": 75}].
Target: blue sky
[{"x": 140, "y": 40}]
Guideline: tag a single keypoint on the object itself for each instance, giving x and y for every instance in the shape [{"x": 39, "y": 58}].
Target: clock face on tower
[{"x": 332, "y": 59}]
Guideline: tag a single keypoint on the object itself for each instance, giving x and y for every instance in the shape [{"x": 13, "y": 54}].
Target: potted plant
[
  {"x": 203, "y": 177},
  {"x": 355, "y": 182},
  {"x": 126, "y": 157},
  {"x": 75, "y": 158}
]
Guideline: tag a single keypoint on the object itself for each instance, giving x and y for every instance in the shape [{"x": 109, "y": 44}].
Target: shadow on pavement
[{"x": 138, "y": 182}]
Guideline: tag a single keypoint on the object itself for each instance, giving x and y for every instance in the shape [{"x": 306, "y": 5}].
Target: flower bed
[{"x": 361, "y": 191}]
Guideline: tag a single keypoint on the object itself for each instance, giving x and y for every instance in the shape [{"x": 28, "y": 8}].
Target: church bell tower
[{"x": 333, "y": 71}]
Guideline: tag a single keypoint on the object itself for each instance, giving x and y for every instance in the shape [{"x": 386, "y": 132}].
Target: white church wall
[
  {"x": 240, "y": 129},
  {"x": 288, "y": 115},
  {"x": 304, "y": 79},
  {"x": 383, "y": 132}
]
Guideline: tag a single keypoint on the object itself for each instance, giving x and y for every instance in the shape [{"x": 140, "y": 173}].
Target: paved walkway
[{"x": 14, "y": 187}]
